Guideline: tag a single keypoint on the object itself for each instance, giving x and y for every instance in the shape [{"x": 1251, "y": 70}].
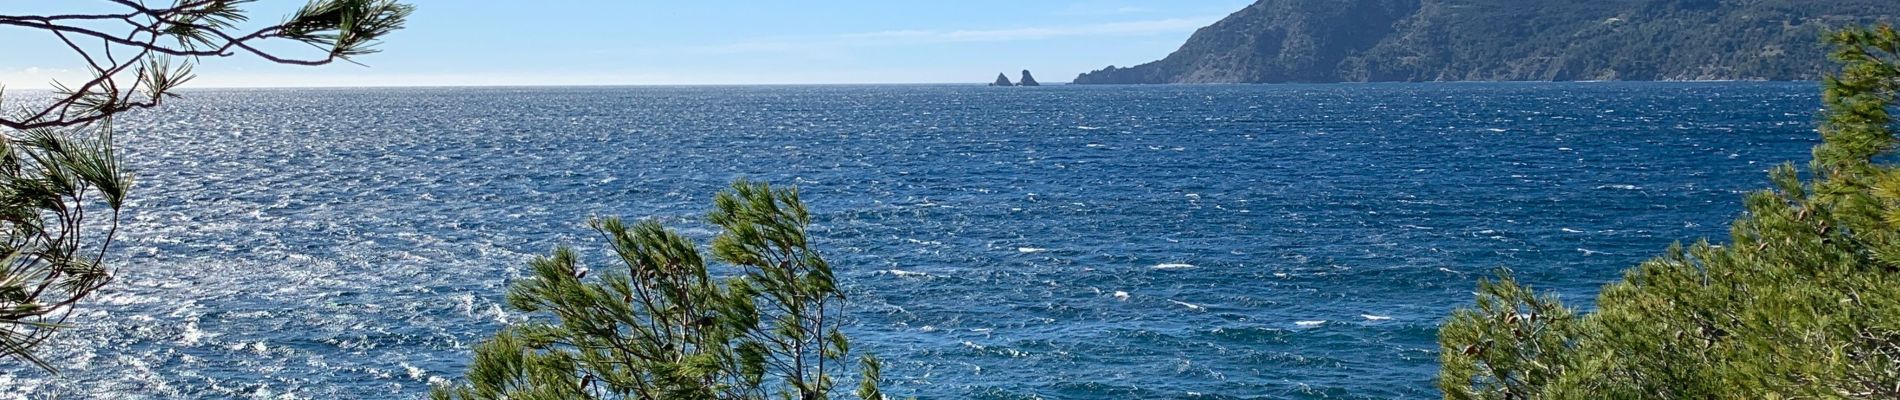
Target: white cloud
[{"x": 37, "y": 77}]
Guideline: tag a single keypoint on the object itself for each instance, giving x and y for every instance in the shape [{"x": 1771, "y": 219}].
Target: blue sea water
[{"x": 1065, "y": 242}]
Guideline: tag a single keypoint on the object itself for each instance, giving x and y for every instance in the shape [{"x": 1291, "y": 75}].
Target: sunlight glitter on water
[{"x": 1058, "y": 243}]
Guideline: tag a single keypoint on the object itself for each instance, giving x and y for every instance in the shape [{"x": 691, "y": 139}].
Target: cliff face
[{"x": 1507, "y": 40}]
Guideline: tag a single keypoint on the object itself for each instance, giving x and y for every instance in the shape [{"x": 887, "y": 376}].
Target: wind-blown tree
[
  {"x": 61, "y": 184},
  {"x": 657, "y": 324},
  {"x": 1804, "y": 302}
]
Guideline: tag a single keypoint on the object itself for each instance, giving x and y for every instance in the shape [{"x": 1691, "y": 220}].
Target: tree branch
[{"x": 339, "y": 29}]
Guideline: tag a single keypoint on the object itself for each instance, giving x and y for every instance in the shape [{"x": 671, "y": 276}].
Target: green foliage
[
  {"x": 61, "y": 187},
  {"x": 1534, "y": 331},
  {"x": 659, "y": 325},
  {"x": 147, "y": 38},
  {"x": 50, "y": 258},
  {"x": 346, "y": 28},
  {"x": 1804, "y": 302}
]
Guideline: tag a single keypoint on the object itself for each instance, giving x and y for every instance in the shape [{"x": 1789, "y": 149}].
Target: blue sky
[{"x": 574, "y": 42}]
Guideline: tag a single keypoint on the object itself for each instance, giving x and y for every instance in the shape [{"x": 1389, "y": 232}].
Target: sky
[{"x": 675, "y": 42}]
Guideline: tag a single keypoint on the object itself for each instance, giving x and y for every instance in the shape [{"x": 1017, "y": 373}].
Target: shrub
[
  {"x": 659, "y": 325},
  {"x": 1803, "y": 302}
]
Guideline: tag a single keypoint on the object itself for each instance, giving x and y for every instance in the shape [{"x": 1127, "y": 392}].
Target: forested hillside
[{"x": 1508, "y": 40}]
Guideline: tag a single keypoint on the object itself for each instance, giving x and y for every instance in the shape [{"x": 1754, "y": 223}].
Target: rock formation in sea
[
  {"x": 1028, "y": 80},
  {"x": 1002, "y": 80},
  {"x": 1275, "y": 41}
]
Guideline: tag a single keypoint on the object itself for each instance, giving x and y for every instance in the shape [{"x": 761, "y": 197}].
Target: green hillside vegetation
[
  {"x": 1803, "y": 302},
  {"x": 1508, "y": 40}
]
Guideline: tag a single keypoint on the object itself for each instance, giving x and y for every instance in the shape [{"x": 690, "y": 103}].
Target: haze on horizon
[{"x": 601, "y": 42}]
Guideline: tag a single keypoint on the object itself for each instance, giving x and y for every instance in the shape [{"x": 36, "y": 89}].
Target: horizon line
[
  {"x": 983, "y": 84},
  {"x": 600, "y": 85}
]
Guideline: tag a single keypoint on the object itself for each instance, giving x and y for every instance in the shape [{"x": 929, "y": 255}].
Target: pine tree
[
  {"x": 1803, "y": 302},
  {"x": 61, "y": 185},
  {"x": 659, "y": 325}
]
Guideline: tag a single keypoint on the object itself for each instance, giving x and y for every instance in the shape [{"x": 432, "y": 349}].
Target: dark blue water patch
[{"x": 1182, "y": 242}]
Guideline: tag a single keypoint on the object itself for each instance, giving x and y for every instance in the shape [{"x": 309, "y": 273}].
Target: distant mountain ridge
[{"x": 1274, "y": 41}]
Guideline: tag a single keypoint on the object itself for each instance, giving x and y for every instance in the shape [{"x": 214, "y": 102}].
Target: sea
[{"x": 1061, "y": 242}]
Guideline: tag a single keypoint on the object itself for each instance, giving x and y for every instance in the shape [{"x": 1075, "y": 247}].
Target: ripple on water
[{"x": 1105, "y": 242}]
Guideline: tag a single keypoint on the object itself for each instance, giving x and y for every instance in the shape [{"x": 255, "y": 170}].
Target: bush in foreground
[
  {"x": 1804, "y": 302},
  {"x": 658, "y": 325}
]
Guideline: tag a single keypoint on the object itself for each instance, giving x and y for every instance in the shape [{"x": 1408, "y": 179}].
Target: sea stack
[
  {"x": 1002, "y": 80},
  {"x": 1028, "y": 80}
]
